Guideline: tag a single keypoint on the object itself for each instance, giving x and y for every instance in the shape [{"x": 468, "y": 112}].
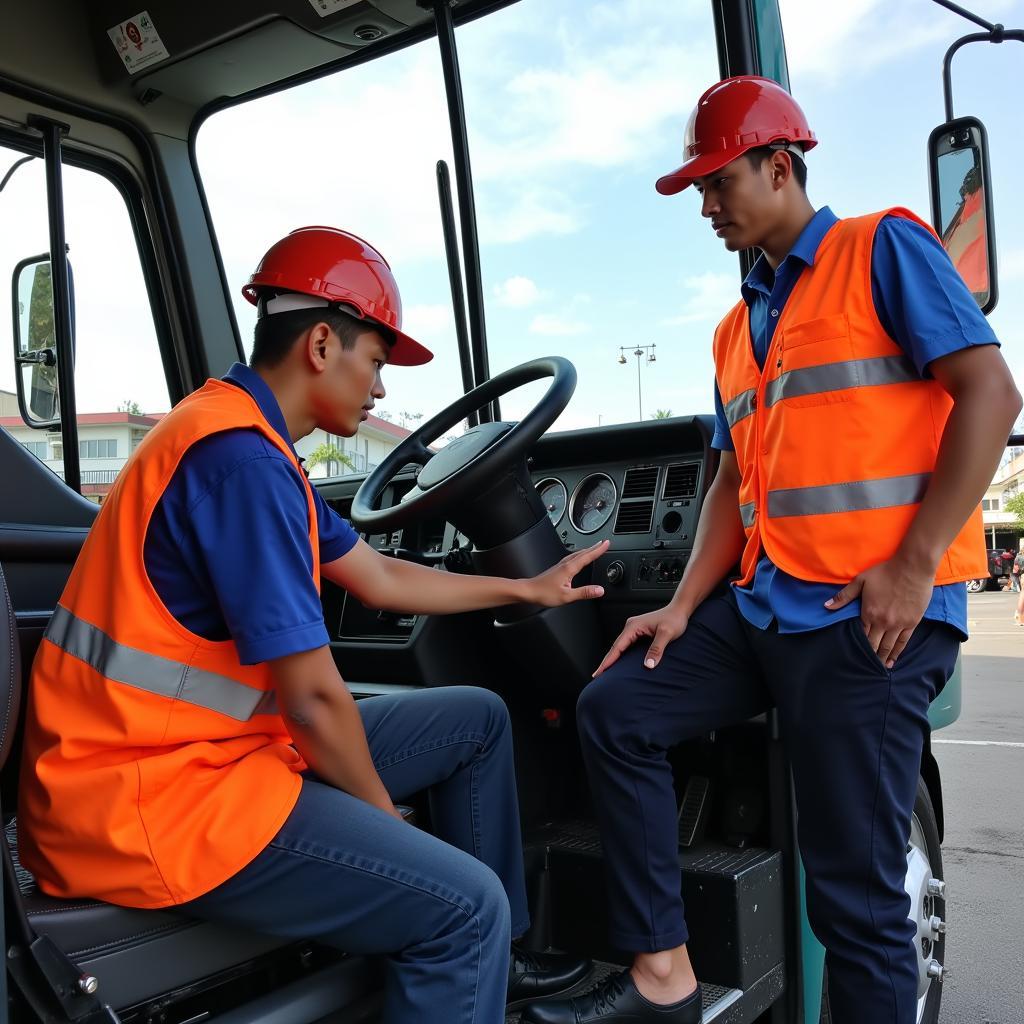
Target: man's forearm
[
  {"x": 417, "y": 589},
  {"x": 716, "y": 548},
  {"x": 972, "y": 444},
  {"x": 328, "y": 732}
]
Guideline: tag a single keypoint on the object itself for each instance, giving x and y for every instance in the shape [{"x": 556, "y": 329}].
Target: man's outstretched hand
[
  {"x": 665, "y": 625},
  {"x": 554, "y": 586}
]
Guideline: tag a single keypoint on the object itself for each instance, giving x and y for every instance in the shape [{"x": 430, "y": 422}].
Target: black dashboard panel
[{"x": 656, "y": 475}]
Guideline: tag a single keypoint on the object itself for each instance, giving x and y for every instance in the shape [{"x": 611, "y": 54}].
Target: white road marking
[{"x": 980, "y": 743}]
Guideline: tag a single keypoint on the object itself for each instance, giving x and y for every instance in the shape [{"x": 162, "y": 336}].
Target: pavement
[{"x": 981, "y": 759}]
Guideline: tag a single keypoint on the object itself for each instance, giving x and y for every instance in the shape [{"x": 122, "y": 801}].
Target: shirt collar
[
  {"x": 762, "y": 278},
  {"x": 250, "y": 381}
]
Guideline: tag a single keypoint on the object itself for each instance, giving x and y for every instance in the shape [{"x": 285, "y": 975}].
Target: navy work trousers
[
  {"x": 854, "y": 732},
  {"x": 442, "y": 908}
]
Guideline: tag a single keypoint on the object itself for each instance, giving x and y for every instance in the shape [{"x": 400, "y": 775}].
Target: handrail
[
  {"x": 451, "y": 250},
  {"x": 467, "y": 207}
]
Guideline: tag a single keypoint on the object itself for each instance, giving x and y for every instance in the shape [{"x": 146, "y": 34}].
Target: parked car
[{"x": 999, "y": 562}]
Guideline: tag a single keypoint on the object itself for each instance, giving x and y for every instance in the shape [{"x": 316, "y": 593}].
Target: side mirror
[
  {"x": 961, "y": 195},
  {"x": 35, "y": 343}
]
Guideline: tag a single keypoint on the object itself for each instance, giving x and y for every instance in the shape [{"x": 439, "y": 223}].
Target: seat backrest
[{"x": 10, "y": 674}]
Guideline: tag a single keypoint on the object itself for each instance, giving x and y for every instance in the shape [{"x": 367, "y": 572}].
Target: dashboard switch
[{"x": 614, "y": 573}]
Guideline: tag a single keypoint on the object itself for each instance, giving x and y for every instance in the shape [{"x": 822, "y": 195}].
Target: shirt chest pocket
[{"x": 815, "y": 364}]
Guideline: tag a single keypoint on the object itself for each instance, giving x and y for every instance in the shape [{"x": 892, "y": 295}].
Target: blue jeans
[
  {"x": 441, "y": 907},
  {"x": 854, "y": 732}
]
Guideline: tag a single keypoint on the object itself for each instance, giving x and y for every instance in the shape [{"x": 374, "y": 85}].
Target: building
[
  {"x": 1001, "y": 529},
  {"x": 106, "y": 439}
]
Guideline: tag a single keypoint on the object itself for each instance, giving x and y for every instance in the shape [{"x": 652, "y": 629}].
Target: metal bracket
[{"x": 68, "y": 996}]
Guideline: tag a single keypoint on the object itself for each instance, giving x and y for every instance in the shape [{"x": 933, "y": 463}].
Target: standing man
[
  {"x": 1016, "y": 570},
  {"x": 862, "y": 407},
  {"x": 186, "y": 682}
]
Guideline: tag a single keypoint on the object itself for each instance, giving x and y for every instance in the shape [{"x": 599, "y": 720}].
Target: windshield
[
  {"x": 573, "y": 109},
  {"x": 356, "y": 150}
]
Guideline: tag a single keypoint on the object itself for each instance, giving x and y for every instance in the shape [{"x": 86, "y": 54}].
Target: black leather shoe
[
  {"x": 615, "y": 1001},
  {"x": 542, "y": 975}
]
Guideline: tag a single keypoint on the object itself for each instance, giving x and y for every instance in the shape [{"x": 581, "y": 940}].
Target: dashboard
[{"x": 640, "y": 486}]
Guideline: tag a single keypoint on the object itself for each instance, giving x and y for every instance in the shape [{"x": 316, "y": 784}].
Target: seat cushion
[{"x": 135, "y": 954}]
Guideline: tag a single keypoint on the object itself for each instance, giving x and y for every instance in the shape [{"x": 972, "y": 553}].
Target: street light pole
[{"x": 639, "y": 352}]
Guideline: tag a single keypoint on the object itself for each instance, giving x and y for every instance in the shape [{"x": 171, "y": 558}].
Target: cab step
[{"x": 721, "y": 1005}]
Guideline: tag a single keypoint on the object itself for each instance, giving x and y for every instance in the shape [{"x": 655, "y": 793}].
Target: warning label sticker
[
  {"x": 325, "y": 8},
  {"x": 138, "y": 43}
]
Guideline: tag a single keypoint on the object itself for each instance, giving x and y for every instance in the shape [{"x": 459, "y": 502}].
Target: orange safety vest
[
  {"x": 836, "y": 439},
  {"x": 156, "y": 765}
]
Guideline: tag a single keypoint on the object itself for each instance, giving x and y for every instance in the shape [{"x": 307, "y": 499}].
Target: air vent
[
  {"x": 681, "y": 480},
  {"x": 635, "y": 517},
  {"x": 640, "y": 482}
]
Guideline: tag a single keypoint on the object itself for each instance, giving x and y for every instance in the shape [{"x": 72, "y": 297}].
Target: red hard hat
[
  {"x": 733, "y": 116},
  {"x": 340, "y": 267}
]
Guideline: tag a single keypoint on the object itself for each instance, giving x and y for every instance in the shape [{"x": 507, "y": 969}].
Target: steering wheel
[{"x": 463, "y": 468}]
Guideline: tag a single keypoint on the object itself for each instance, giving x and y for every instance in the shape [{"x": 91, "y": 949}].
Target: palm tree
[
  {"x": 662, "y": 414},
  {"x": 329, "y": 453}
]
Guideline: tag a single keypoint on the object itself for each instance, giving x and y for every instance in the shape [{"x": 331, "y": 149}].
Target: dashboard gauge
[
  {"x": 592, "y": 503},
  {"x": 552, "y": 492}
]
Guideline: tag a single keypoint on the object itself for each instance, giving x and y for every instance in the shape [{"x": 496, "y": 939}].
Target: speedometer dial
[
  {"x": 552, "y": 493},
  {"x": 592, "y": 503}
]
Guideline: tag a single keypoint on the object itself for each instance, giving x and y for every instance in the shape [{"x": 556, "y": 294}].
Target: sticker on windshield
[
  {"x": 325, "y": 8},
  {"x": 138, "y": 43}
]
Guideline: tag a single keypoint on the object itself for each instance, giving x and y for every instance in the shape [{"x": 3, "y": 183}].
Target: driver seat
[{"x": 136, "y": 955}]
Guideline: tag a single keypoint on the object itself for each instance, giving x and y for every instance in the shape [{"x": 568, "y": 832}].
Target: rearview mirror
[
  {"x": 35, "y": 342},
  {"x": 961, "y": 195}
]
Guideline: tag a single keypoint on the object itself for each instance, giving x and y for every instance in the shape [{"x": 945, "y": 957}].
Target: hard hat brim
[
  {"x": 683, "y": 177},
  {"x": 406, "y": 351}
]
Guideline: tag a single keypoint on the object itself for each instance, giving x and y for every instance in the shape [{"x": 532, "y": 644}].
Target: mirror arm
[
  {"x": 52, "y": 132},
  {"x": 40, "y": 356},
  {"x": 995, "y": 34}
]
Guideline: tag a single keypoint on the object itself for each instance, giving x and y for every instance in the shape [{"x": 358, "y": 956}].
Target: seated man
[{"x": 185, "y": 682}]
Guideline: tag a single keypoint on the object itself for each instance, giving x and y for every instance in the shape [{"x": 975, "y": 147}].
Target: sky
[{"x": 574, "y": 108}]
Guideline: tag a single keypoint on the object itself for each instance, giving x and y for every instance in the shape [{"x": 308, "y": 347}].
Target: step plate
[{"x": 715, "y": 998}]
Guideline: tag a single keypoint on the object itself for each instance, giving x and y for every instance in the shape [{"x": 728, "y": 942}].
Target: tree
[
  {"x": 662, "y": 414},
  {"x": 328, "y": 453},
  {"x": 130, "y": 407},
  {"x": 1016, "y": 506}
]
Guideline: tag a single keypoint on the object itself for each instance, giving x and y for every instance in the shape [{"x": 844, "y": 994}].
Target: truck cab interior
[{"x": 509, "y": 497}]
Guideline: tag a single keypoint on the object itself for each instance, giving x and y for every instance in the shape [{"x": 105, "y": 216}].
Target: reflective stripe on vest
[
  {"x": 740, "y": 407},
  {"x": 855, "y": 373},
  {"x": 748, "y": 513},
  {"x": 156, "y": 674},
  {"x": 858, "y": 496},
  {"x": 815, "y": 380}
]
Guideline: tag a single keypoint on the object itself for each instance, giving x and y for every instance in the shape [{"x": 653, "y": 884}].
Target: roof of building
[{"x": 98, "y": 418}]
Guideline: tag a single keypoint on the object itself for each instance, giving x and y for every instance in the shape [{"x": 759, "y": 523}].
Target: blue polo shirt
[
  {"x": 925, "y": 307},
  {"x": 228, "y": 545}
]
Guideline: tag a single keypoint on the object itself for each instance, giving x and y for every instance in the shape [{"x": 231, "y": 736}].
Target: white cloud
[
  {"x": 517, "y": 292},
  {"x": 847, "y": 42},
  {"x": 526, "y": 214},
  {"x": 427, "y": 320},
  {"x": 712, "y": 295},
  {"x": 552, "y": 325}
]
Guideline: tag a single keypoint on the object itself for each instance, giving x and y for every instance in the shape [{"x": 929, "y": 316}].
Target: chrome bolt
[
  {"x": 937, "y": 925},
  {"x": 937, "y": 887},
  {"x": 936, "y": 971},
  {"x": 88, "y": 984}
]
